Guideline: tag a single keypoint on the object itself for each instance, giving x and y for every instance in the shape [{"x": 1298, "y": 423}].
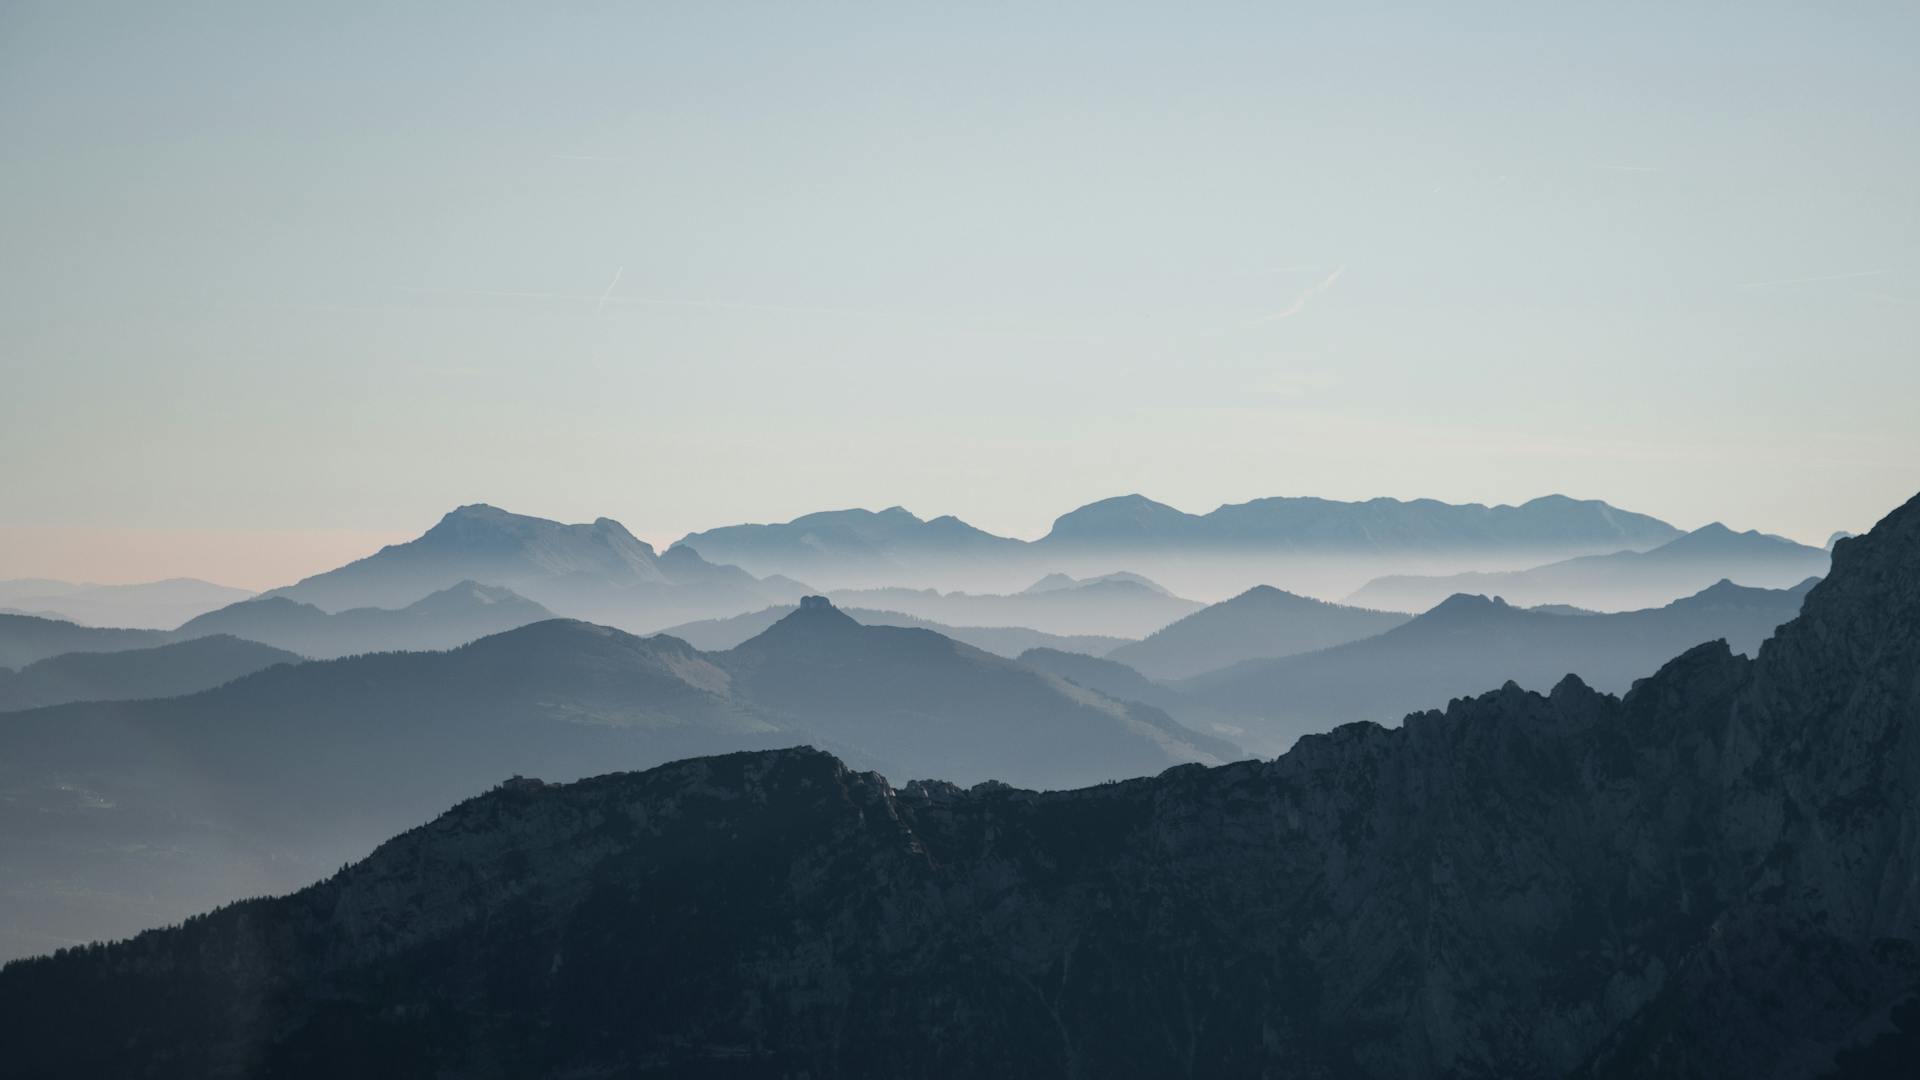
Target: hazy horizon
[
  {"x": 282, "y": 286},
  {"x": 261, "y": 559}
]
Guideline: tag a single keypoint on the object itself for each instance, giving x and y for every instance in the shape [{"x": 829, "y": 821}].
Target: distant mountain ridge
[
  {"x": 463, "y": 612},
  {"x": 881, "y": 543},
  {"x": 1310, "y": 524},
  {"x": 596, "y": 571},
  {"x": 1620, "y": 581},
  {"x": 1116, "y": 605},
  {"x": 863, "y": 549}
]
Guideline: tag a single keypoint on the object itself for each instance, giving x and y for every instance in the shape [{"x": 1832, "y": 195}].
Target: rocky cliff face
[{"x": 1716, "y": 875}]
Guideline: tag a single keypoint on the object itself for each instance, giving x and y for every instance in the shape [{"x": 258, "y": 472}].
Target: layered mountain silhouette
[
  {"x": 25, "y": 639},
  {"x": 913, "y": 696},
  {"x": 1119, "y": 605},
  {"x": 1468, "y": 643},
  {"x": 1320, "y": 542},
  {"x": 1007, "y": 641},
  {"x": 1620, "y": 581},
  {"x": 159, "y": 605},
  {"x": 1710, "y": 877},
  {"x": 183, "y": 667},
  {"x": 1261, "y": 622},
  {"x": 599, "y": 571},
  {"x": 453, "y": 616},
  {"x": 119, "y": 815}
]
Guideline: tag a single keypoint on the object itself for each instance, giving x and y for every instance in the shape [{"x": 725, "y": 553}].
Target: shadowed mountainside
[
  {"x": 1261, "y": 622},
  {"x": 1470, "y": 643},
  {"x": 183, "y": 667},
  {"x": 1712, "y": 877},
  {"x": 25, "y": 639}
]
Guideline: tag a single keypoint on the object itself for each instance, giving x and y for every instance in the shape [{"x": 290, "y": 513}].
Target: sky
[{"x": 278, "y": 286}]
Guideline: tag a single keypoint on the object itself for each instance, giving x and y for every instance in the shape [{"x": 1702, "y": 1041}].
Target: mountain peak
[
  {"x": 1464, "y": 604},
  {"x": 814, "y": 616}
]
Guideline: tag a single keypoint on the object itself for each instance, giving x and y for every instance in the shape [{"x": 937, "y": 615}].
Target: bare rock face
[{"x": 1716, "y": 875}]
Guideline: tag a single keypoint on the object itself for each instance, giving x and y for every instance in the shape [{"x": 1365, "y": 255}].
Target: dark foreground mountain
[
  {"x": 183, "y": 667},
  {"x": 1007, "y": 641},
  {"x": 1469, "y": 643},
  {"x": 1620, "y": 581},
  {"x": 1261, "y": 622},
  {"x": 451, "y": 617},
  {"x": 119, "y": 816},
  {"x": 596, "y": 571},
  {"x": 1713, "y": 876}
]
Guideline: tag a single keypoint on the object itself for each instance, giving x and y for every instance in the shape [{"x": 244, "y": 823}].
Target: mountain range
[
  {"x": 1620, "y": 581},
  {"x": 119, "y": 815},
  {"x": 1469, "y": 643},
  {"x": 1710, "y": 877},
  {"x": 863, "y": 549},
  {"x": 599, "y": 572}
]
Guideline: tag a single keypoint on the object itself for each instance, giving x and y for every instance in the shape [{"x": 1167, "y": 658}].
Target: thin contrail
[
  {"x": 609, "y": 291},
  {"x": 1300, "y": 302},
  {"x": 1811, "y": 280}
]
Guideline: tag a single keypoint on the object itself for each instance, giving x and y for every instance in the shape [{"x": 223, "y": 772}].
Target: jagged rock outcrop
[{"x": 1716, "y": 875}]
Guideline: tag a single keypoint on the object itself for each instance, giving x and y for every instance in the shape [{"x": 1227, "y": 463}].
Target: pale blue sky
[{"x": 262, "y": 269}]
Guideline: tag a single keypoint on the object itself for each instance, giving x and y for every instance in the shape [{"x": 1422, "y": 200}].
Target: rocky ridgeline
[{"x": 1718, "y": 875}]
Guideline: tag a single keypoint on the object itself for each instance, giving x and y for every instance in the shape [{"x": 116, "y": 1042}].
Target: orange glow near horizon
[{"x": 244, "y": 558}]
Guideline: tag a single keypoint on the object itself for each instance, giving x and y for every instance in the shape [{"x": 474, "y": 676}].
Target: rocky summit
[{"x": 1717, "y": 874}]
